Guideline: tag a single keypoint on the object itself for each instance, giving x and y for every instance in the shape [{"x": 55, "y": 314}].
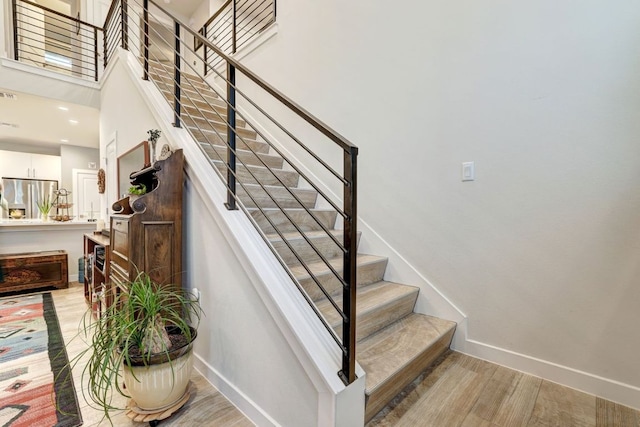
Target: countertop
[{"x": 7, "y": 225}]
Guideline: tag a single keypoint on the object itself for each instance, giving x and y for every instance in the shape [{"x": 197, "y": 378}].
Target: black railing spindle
[
  {"x": 95, "y": 53},
  {"x": 234, "y": 27},
  {"x": 231, "y": 137},
  {"x": 176, "y": 76},
  {"x": 16, "y": 56},
  {"x": 146, "y": 38},
  {"x": 124, "y": 24},
  {"x": 348, "y": 373}
]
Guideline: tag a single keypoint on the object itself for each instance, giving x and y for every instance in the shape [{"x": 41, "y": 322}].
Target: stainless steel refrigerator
[{"x": 23, "y": 195}]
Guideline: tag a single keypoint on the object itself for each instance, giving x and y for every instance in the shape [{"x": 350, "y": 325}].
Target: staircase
[{"x": 394, "y": 344}]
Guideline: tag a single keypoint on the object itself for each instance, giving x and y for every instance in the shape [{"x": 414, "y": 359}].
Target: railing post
[
  {"x": 205, "y": 59},
  {"x": 124, "y": 25},
  {"x": 348, "y": 373},
  {"x": 95, "y": 52},
  {"x": 16, "y": 56},
  {"x": 105, "y": 32},
  {"x": 145, "y": 17},
  {"x": 231, "y": 137},
  {"x": 176, "y": 76},
  {"x": 233, "y": 28}
]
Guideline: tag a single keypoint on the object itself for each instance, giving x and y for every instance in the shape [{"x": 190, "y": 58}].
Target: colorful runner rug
[{"x": 35, "y": 388}]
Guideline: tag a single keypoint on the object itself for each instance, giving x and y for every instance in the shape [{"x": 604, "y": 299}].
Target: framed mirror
[{"x": 131, "y": 161}]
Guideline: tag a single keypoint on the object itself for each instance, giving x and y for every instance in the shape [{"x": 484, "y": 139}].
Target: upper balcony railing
[
  {"x": 234, "y": 25},
  {"x": 52, "y": 40}
]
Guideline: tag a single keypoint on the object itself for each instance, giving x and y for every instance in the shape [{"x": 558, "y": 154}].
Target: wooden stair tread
[
  {"x": 219, "y": 152},
  {"x": 303, "y": 219},
  {"x": 246, "y": 173},
  {"x": 388, "y": 350},
  {"x": 397, "y": 354},
  {"x": 294, "y": 235},
  {"x": 378, "y": 305},
  {"x": 278, "y": 193},
  {"x": 320, "y": 267}
]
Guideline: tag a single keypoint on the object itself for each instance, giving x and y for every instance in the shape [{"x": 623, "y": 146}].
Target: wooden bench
[{"x": 33, "y": 270}]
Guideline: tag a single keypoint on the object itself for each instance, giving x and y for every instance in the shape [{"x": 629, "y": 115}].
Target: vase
[
  {"x": 45, "y": 217},
  {"x": 153, "y": 151}
]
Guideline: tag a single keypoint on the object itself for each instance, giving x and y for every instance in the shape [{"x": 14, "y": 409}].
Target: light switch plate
[{"x": 468, "y": 171}]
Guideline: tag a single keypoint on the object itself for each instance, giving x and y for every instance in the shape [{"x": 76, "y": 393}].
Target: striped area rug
[{"x": 35, "y": 388}]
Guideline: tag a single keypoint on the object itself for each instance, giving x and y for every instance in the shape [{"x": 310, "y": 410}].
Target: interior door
[{"x": 86, "y": 200}]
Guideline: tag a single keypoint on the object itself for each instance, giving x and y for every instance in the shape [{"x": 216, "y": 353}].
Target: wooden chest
[{"x": 32, "y": 270}]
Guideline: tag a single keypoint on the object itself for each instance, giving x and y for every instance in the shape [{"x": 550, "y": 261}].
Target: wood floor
[
  {"x": 459, "y": 391},
  {"x": 469, "y": 392}
]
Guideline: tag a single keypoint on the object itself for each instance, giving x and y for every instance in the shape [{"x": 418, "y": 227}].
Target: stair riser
[
  {"x": 285, "y": 200},
  {"x": 246, "y": 157},
  {"x": 324, "y": 245},
  {"x": 302, "y": 218},
  {"x": 365, "y": 274},
  {"x": 377, "y": 400},
  {"x": 290, "y": 179}
]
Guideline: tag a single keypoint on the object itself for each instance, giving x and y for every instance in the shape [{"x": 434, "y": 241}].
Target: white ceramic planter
[{"x": 159, "y": 386}]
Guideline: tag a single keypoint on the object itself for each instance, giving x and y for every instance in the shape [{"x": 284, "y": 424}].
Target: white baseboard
[
  {"x": 241, "y": 401},
  {"x": 73, "y": 277},
  {"x": 624, "y": 394}
]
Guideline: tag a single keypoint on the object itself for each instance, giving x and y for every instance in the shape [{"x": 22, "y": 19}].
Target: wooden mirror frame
[{"x": 132, "y": 153}]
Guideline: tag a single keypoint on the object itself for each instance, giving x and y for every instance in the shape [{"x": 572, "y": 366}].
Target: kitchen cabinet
[{"x": 14, "y": 164}]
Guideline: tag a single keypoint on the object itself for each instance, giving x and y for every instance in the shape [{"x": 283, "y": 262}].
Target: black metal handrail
[
  {"x": 50, "y": 39},
  {"x": 224, "y": 132}
]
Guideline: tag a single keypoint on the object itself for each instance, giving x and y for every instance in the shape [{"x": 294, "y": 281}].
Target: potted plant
[
  {"x": 45, "y": 207},
  {"x": 136, "y": 191},
  {"x": 145, "y": 339}
]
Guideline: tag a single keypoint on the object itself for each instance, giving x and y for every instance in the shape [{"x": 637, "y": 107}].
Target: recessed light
[
  {"x": 73, "y": 122},
  {"x": 63, "y": 108},
  {"x": 64, "y": 140}
]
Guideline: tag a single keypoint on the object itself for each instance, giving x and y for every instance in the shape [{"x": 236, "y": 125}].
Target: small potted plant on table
[{"x": 45, "y": 207}]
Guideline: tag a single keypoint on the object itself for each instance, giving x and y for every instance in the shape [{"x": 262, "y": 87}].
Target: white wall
[
  {"x": 541, "y": 251},
  {"x": 72, "y": 157}
]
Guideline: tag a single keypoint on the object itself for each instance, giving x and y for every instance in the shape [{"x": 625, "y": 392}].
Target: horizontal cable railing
[
  {"x": 234, "y": 24},
  {"x": 115, "y": 34},
  {"x": 47, "y": 38},
  {"x": 282, "y": 198}
]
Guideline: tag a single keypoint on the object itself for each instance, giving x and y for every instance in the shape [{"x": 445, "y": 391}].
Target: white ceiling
[
  {"x": 185, "y": 8},
  {"x": 35, "y": 120}
]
